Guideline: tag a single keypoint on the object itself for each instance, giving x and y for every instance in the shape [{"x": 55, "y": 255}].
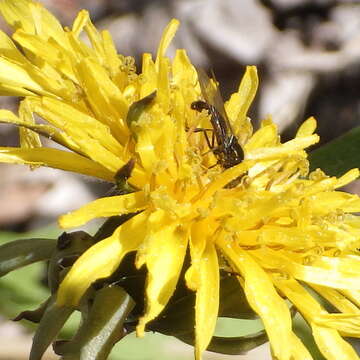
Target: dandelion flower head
[{"x": 277, "y": 226}]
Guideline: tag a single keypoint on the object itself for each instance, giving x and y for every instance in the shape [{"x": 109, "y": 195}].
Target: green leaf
[
  {"x": 338, "y": 156},
  {"x": 50, "y": 325},
  {"x": 21, "y": 289},
  {"x": 34, "y": 315},
  {"x": 231, "y": 345},
  {"x": 19, "y": 253},
  {"x": 101, "y": 328}
]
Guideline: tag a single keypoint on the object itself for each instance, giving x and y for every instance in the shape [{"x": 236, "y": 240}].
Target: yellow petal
[
  {"x": 101, "y": 260},
  {"x": 95, "y": 40},
  {"x": 77, "y": 124},
  {"x": 207, "y": 299},
  {"x": 163, "y": 93},
  {"x": 107, "y": 101},
  {"x": 9, "y": 90},
  {"x": 46, "y": 25},
  {"x": 299, "y": 350},
  {"x": 28, "y": 138},
  {"x": 204, "y": 197},
  {"x": 346, "y": 324},
  {"x": 184, "y": 75},
  {"x": 10, "y": 51},
  {"x": 307, "y": 127},
  {"x": 266, "y": 136},
  {"x": 46, "y": 130},
  {"x": 291, "y": 147},
  {"x": 346, "y": 264},
  {"x": 79, "y": 23},
  {"x": 111, "y": 55},
  {"x": 239, "y": 103},
  {"x": 146, "y": 149},
  {"x": 168, "y": 34},
  {"x": 150, "y": 76},
  {"x": 15, "y": 75},
  {"x": 347, "y": 178},
  {"x": 337, "y": 299},
  {"x": 48, "y": 51},
  {"x": 330, "y": 343},
  {"x": 54, "y": 158},
  {"x": 353, "y": 295},
  {"x": 263, "y": 298},
  {"x": 325, "y": 202},
  {"x": 156, "y": 221},
  {"x": 16, "y": 14},
  {"x": 91, "y": 136},
  {"x": 33, "y": 18},
  {"x": 334, "y": 277},
  {"x": 104, "y": 207},
  {"x": 202, "y": 231},
  {"x": 164, "y": 258}
]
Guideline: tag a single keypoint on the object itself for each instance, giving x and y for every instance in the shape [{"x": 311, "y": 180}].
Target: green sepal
[
  {"x": 101, "y": 328},
  {"x": 69, "y": 247},
  {"x": 132, "y": 280},
  {"x": 178, "y": 318},
  {"x": 233, "y": 302},
  {"x": 33, "y": 315},
  {"x": 338, "y": 156},
  {"x": 110, "y": 225},
  {"x": 18, "y": 253},
  {"x": 50, "y": 325},
  {"x": 231, "y": 345},
  {"x": 121, "y": 177},
  {"x": 136, "y": 109}
]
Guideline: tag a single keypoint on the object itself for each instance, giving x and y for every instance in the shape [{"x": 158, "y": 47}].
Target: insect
[{"x": 228, "y": 151}]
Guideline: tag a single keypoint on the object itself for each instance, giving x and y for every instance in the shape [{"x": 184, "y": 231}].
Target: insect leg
[{"x": 210, "y": 145}]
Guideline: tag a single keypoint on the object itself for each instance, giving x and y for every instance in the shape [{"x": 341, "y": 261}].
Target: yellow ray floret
[
  {"x": 163, "y": 249},
  {"x": 267, "y": 217},
  {"x": 105, "y": 207},
  {"x": 329, "y": 341},
  {"x": 57, "y": 159},
  {"x": 101, "y": 260}
]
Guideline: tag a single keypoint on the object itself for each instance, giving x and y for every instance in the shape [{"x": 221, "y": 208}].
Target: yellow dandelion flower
[{"x": 280, "y": 229}]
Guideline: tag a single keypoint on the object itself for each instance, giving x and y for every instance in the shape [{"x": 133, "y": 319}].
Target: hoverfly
[{"x": 228, "y": 151}]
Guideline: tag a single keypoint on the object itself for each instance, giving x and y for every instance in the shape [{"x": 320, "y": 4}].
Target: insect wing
[{"x": 212, "y": 96}]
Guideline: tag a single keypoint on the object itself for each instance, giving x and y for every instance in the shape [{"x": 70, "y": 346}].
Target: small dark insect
[{"x": 228, "y": 151}]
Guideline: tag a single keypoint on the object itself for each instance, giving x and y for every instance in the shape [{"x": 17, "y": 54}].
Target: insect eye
[{"x": 200, "y": 106}]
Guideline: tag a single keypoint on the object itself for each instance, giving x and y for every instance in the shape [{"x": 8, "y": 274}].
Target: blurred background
[{"x": 308, "y": 57}]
